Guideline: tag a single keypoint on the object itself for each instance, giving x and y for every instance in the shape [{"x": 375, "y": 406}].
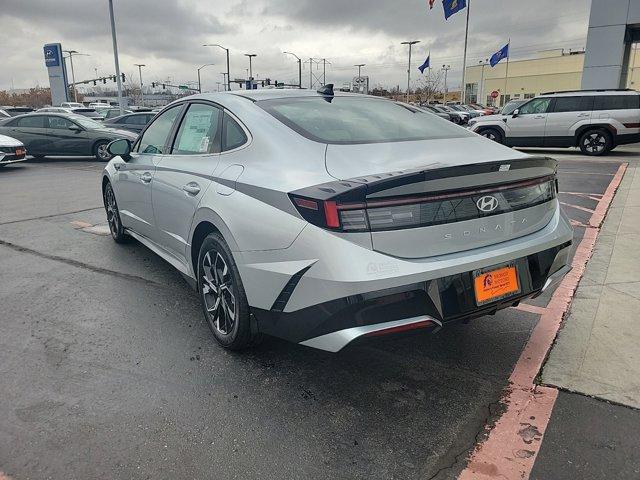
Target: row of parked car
[
  {"x": 459, "y": 114},
  {"x": 71, "y": 129}
]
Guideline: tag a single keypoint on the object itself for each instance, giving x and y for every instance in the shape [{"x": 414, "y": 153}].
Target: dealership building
[
  {"x": 549, "y": 70},
  {"x": 609, "y": 61}
]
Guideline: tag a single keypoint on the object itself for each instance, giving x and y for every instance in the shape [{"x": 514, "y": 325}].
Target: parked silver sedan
[{"x": 322, "y": 217}]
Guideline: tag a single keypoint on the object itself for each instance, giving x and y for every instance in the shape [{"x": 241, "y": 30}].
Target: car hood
[
  {"x": 353, "y": 161},
  {"x": 489, "y": 118},
  {"x": 9, "y": 141}
]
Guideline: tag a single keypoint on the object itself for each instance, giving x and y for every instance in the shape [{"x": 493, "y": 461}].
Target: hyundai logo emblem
[{"x": 488, "y": 203}]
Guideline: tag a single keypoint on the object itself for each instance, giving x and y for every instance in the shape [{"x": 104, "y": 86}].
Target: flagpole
[
  {"x": 506, "y": 75},
  {"x": 464, "y": 58}
]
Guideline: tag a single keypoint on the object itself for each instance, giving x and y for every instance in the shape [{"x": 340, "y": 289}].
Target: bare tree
[{"x": 429, "y": 86}]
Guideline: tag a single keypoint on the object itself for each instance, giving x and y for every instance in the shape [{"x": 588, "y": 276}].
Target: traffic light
[
  {"x": 113, "y": 78},
  {"x": 153, "y": 84},
  {"x": 164, "y": 86},
  {"x": 123, "y": 78},
  {"x": 104, "y": 79},
  {"x": 94, "y": 82}
]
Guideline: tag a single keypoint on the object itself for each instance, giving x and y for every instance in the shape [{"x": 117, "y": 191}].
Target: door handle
[
  {"x": 145, "y": 177},
  {"x": 192, "y": 188},
  {"x": 583, "y": 115},
  {"x": 538, "y": 116}
]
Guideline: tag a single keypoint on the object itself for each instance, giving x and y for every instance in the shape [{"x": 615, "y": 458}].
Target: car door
[
  {"x": 33, "y": 132},
  {"x": 527, "y": 128},
  {"x": 565, "y": 116},
  {"x": 135, "y": 177},
  {"x": 67, "y": 137},
  {"x": 183, "y": 176}
]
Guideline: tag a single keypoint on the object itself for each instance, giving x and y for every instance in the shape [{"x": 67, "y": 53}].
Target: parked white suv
[{"x": 595, "y": 120}]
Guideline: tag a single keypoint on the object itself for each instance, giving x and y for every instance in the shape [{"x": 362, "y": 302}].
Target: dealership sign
[
  {"x": 57, "y": 73},
  {"x": 52, "y": 55}
]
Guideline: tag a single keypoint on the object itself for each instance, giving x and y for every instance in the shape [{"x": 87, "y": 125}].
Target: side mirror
[
  {"x": 515, "y": 113},
  {"x": 75, "y": 128},
  {"x": 120, "y": 147}
]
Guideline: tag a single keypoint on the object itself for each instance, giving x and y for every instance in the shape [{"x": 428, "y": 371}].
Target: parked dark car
[
  {"x": 430, "y": 109},
  {"x": 457, "y": 117},
  {"x": 109, "y": 113},
  {"x": 134, "y": 122},
  {"x": 13, "y": 111},
  {"x": 62, "y": 134}
]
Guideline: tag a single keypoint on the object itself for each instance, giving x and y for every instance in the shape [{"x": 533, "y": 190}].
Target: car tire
[
  {"x": 224, "y": 301},
  {"x": 100, "y": 151},
  {"x": 113, "y": 215},
  {"x": 491, "y": 134},
  {"x": 595, "y": 142}
]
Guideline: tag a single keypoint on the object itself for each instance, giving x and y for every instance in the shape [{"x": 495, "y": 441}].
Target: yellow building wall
[{"x": 551, "y": 71}]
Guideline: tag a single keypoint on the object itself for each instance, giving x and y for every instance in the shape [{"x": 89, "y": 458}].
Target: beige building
[{"x": 551, "y": 70}]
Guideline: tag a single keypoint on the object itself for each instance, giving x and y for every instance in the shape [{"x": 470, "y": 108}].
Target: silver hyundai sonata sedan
[{"x": 322, "y": 217}]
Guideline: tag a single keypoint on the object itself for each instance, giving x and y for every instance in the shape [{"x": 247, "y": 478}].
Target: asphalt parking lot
[{"x": 109, "y": 371}]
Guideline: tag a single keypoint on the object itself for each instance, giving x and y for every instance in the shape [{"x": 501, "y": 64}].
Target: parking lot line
[
  {"x": 511, "y": 447},
  {"x": 577, "y": 207}
]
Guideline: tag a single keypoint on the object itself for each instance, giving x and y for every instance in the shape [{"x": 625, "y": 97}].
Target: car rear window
[
  {"x": 351, "y": 120},
  {"x": 616, "y": 102}
]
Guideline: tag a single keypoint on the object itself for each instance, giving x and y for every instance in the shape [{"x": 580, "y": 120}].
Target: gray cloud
[{"x": 167, "y": 35}]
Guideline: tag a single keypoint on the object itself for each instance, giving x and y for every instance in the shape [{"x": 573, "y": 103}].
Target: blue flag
[
  {"x": 452, "y": 6},
  {"x": 425, "y": 65},
  {"x": 499, "y": 55}
]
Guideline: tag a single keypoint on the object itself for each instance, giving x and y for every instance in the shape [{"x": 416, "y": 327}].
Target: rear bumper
[{"x": 430, "y": 304}]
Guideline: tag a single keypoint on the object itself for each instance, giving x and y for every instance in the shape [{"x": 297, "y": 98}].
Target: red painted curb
[{"x": 511, "y": 448}]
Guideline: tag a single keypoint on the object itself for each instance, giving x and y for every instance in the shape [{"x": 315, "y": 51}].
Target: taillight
[{"x": 345, "y": 206}]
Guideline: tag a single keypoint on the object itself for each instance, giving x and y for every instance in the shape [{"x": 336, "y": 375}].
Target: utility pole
[
  {"x": 228, "y": 84},
  {"x": 324, "y": 70},
  {"x": 410, "y": 43},
  {"x": 250, "y": 55},
  {"x": 115, "y": 56},
  {"x": 299, "y": 68},
  {"x": 359, "y": 65},
  {"x": 140, "y": 65},
  {"x": 445, "y": 68},
  {"x": 317, "y": 79}
]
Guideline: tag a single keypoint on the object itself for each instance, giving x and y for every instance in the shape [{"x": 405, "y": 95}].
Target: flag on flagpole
[
  {"x": 453, "y": 6},
  {"x": 425, "y": 65},
  {"x": 499, "y": 55},
  {"x": 431, "y": 3}
]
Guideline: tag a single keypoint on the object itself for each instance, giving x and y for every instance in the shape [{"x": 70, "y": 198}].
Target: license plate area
[{"x": 495, "y": 283}]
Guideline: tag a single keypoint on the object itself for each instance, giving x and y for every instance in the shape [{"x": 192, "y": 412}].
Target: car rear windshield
[{"x": 351, "y": 120}]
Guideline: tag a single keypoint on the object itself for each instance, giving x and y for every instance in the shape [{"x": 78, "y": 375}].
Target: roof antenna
[{"x": 326, "y": 91}]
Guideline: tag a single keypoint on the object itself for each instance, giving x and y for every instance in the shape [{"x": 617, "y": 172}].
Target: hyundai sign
[
  {"x": 57, "y": 72},
  {"x": 52, "y": 55}
]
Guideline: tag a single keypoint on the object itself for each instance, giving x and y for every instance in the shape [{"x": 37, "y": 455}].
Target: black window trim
[
  {"x": 136, "y": 144},
  {"x": 247, "y": 133}
]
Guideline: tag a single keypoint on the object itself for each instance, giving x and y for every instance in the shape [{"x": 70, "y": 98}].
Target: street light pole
[
  {"x": 228, "y": 84},
  {"x": 481, "y": 92},
  {"x": 250, "y": 55},
  {"x": 200, "y": 84},
  {"x": 410, "y": 43},
  {"x": 299, "y": 68},
  {"x": 73, "y": 75},
  {"x": 446, "y": 68},
  {"x": 115, "y": 56},
  {"x": 140, "y": 65}
]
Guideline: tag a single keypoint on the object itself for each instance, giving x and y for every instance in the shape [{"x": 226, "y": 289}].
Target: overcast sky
[{"x": 167, "y": 36}]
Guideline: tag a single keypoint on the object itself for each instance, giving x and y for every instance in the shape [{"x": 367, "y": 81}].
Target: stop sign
[{"x": 495, "y": 94}]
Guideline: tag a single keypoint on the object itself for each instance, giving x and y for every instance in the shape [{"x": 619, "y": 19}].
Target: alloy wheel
[
  {"x": 217, "y": 292},
  {"x": 102, "y": 152},
  {"x": 490, "y": 135},
  {"x": 595, "y": 142},
  {"x": 112, "y": 211}
]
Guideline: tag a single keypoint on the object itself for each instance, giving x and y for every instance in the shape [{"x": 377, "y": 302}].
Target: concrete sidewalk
[{"x": 597, "y": 352}]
